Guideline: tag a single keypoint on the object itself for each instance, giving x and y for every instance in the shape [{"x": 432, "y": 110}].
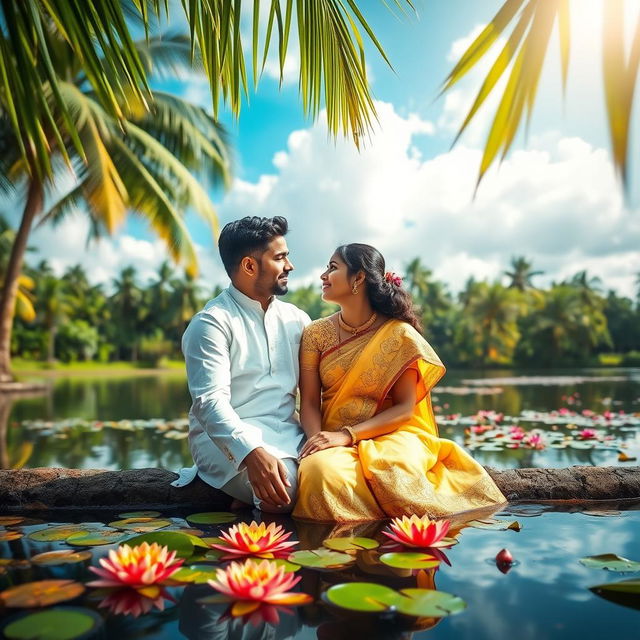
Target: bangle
[{"x": 352, "y": 433}]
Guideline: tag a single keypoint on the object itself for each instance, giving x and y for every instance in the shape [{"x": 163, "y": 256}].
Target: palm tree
[
  {"x": 140, "y": 162},
  {"x": 418, "y": 277},
  {"x": 489, "y": 320},
  {"x": 564, "y": 327},
  {"x": 525, "y": 50},
  {"x": 54, "y": 306},
  {"x": 127, "y": 311},
  {"x": 521, "y": 274},
  {"x": 97, "y": 32},
  {"x": 24, "y": 294}
]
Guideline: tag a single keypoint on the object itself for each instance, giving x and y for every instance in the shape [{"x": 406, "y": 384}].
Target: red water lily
[
  {"x": 251, "y": 585},
  {"x": 142, "y": 568},
  {"x": 418, "y": 532},
  {"x": 256, "y": 540}
]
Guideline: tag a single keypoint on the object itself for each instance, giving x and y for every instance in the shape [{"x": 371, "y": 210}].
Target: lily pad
[
  {"x": 321, "y": 559},
  {"x": 625, "y": 593},
  {"x": 182, "y": 543},
  {"x": 13, "y": 563},
  {"x": 429, "y": 603},
  {"x": 41, "y": 593},
  {"x": 196, "y": 573},
  {"x": 66, "y": 556},
  {"x": 140, "y": 525},
  {"x": 53, "y": 534},
  {"x": 611, "y": 562},
  {"x": 372, "y": 597},
  {"x": 140, "y": 514},
  {"x": 289, "y": 567},
  {"x": 625, "y": 586},
  {"x": 7, "y": 536},
  {"x": 350, "y": 544},
  {"x": 409, "y": 560},
  {"x": 495, "y": 525},
  {"x": 57, "y": 623},
  {"x": 362, "y": 596},
  {"x": 95, "y": 537},
  {"x": 211, "y": 517}
]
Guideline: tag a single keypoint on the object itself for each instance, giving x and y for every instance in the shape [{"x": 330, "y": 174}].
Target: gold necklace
[{"x": 355, "y": 330}]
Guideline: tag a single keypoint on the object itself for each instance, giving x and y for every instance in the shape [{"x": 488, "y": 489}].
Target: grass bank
[{"x": 28, "y": 368}]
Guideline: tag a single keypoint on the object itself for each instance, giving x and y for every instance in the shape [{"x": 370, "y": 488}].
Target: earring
[{"x": 354, "y": 290}]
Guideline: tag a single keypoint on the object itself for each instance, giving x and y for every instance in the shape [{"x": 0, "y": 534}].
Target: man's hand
[
  {"x": 268, "y": 477},
  {"x": 325, "y": 440}
]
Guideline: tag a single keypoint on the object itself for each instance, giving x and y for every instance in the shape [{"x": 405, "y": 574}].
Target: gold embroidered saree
[{"x": 410, "y": 470}]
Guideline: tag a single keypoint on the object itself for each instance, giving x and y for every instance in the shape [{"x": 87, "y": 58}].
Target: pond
[
  {"x": 545, "y": 593},
  {"x": 530, "y": 418}
]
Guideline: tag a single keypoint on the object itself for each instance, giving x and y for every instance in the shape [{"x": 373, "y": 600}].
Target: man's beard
[{"x": 280, "y": 288}]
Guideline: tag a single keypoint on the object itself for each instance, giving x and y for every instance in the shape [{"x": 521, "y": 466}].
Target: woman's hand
[{"x": 325, "y": 440}]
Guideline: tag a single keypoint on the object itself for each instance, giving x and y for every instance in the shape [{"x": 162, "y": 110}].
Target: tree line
[{"x": 504, "y": 322}]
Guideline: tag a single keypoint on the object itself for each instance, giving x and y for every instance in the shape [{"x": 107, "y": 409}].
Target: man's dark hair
[{"x": 248, "y": 236}]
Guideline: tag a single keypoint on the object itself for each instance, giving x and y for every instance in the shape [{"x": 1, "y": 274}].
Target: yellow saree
[{"x": 410, "y": 470}]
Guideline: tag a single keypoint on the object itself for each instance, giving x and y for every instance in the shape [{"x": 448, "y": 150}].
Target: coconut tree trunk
[
  {"x": 33, "y": 206},
  {"x": 51, "y": 344}
]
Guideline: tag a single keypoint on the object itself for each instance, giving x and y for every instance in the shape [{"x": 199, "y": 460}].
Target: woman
[{"x": 366, "y": 372}]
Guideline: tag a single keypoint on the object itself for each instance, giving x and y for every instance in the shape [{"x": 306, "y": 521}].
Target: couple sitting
[{"x": 367, "y": 444}]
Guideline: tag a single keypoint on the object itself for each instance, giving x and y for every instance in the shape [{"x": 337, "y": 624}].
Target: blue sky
[{"x": 554, "y": 200}]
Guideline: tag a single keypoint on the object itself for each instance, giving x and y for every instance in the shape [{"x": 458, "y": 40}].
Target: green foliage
[{"x": 487, "y": 323}]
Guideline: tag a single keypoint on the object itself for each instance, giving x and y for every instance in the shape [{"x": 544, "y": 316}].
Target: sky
[{"x": 554, "y": 200}]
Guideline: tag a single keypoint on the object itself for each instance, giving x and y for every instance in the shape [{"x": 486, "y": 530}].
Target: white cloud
[
  {"x": 556, "y": 203},
  {"x": 66, "y": 245}
]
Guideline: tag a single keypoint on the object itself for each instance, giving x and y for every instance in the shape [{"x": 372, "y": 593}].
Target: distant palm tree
[
  {"x": 142, "y": 162},
  {"x": 589, "y": 288},
  {"x": 566, "y": 324},
  {"x": 417, "y": 278},
  {"x": 490, "y": 317},
  {"x": 126, "y": 304},
  {"x": 54, "y": 307},
  {"x": 521, "y": 274}
]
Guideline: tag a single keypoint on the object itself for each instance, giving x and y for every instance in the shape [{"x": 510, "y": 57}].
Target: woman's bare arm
[{"x": 403, "y": 396}]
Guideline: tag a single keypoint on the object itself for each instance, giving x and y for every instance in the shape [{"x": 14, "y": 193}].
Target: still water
[
  {"x": 136, "y": 422},
  {"x": 545, "y": 595}
]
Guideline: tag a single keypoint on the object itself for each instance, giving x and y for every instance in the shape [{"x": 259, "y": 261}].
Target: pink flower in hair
[{"x": 393, "y": 278}]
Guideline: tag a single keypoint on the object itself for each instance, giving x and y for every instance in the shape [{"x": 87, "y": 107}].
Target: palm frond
[
  {"x": 193, "y": 136},
  {"x": 525, "y": 51},
  {"x": 104, "y": 189},
  {"x": 98, "y": 36}
]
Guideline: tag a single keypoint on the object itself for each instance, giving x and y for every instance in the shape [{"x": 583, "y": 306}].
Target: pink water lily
[
  {"x": 535, "y": 441},
  {"x": 256, "y": 540},
  {"x": 588, "y": 434},
  {"x": 142, "y": 567},
  {"x": 417, "y": 532},
  {"x": 131, "y": 602},
  {"x": 250, "y": 585}
]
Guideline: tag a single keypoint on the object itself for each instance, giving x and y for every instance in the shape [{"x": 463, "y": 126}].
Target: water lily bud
[
  {"x": 504, "y": 556},
  {"x": 504, "y": 560}
]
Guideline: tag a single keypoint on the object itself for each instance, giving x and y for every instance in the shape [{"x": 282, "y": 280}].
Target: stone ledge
[{"x": 55, "y": 489}]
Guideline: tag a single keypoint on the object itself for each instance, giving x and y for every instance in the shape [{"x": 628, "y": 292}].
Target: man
[{"x": 241, "y": 353}]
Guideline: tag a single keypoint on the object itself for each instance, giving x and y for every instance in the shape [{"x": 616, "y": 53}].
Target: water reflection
[
  {"x": 166, "y": 398},
  {"x": 546, "y": 595}
]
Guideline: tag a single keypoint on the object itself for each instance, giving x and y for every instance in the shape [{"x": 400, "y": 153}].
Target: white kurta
[{"x": 242, "y": 371}]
